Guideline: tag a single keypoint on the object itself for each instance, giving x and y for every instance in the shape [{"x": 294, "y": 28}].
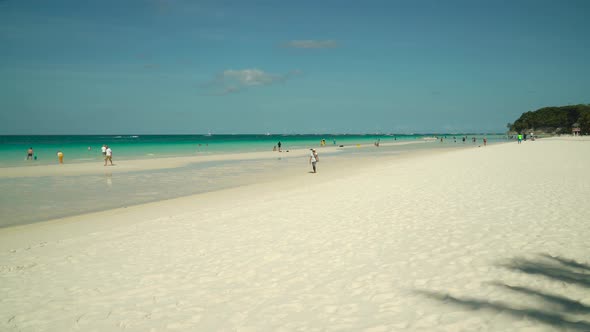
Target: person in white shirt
[
  {"x": 104, "y": 150},
  {"x": 313, "y": 159},
  {"x": 108, "y": 156}
]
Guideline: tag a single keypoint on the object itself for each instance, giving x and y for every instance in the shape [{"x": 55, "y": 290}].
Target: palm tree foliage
[{"x": 554, "y": 119}]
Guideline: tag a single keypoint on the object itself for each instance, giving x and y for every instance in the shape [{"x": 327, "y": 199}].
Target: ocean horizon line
[{"x": 270, "y": 134}]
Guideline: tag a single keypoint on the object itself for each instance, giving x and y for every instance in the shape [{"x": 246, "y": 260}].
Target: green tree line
[{"x": 555, "y": 119}]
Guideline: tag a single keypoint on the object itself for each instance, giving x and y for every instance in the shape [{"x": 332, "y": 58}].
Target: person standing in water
[
  {"x": 60, "y": 157},
  {"x": 30, "y": 154},
  {"x": 108, "y": 156},
  {"x": 279, "y": 145},
  {"x": 313, "y": 159}
]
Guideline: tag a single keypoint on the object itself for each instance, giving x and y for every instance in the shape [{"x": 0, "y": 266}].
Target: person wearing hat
[{"x": 313, "y": 159}]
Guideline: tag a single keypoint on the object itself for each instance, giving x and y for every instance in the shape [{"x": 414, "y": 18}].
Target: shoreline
[
  {"x": 333, "y": 165},
  {"x": 130, "y": 165}
]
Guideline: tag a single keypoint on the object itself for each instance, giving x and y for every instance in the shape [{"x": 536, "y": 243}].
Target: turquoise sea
[
  {"x": 82, "y": 148},
  {"x": 33, "y": 199}
]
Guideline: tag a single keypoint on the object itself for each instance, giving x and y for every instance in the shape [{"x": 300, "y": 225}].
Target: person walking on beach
[
  {"x": 279, "y": 145},
  {"x": 313, "y": 159},
  {"x": 30, "y": 153},
  {"x": 519, "y": 138},
  {"x": 108, "y": 156},
  {"x": 60, "y": 157},
  {"x": 485, "y": 141}
]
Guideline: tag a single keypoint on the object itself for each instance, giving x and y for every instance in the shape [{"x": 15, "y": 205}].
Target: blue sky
[{"x": 189, "y": 67}]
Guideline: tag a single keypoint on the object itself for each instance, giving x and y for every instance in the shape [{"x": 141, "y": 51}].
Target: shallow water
[
  {"x": 77, "y": 149},
  {"x": 50, "y": 197},
  {"x": 28, "y": 200}
]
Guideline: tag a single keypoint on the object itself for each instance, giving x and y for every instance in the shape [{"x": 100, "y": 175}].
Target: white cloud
[
  {"x": 250, "y": 77},
  {"x": 230, "y": 80},
  {"x": 312, "y": 44}
]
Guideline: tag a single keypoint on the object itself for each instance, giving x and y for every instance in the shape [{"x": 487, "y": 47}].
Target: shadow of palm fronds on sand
[{"x": 557, "y": 311}]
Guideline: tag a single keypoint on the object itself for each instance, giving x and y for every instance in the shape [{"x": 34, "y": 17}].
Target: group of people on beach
[
  {"x": 521, "y": 137},
  {"x": 32, "y": 156},
  {"x": 107, "y": 154},
  {"x": 464, "y": 139}
]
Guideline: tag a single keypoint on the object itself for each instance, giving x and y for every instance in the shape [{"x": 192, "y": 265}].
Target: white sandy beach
[{"x": 483, "y": 239}]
